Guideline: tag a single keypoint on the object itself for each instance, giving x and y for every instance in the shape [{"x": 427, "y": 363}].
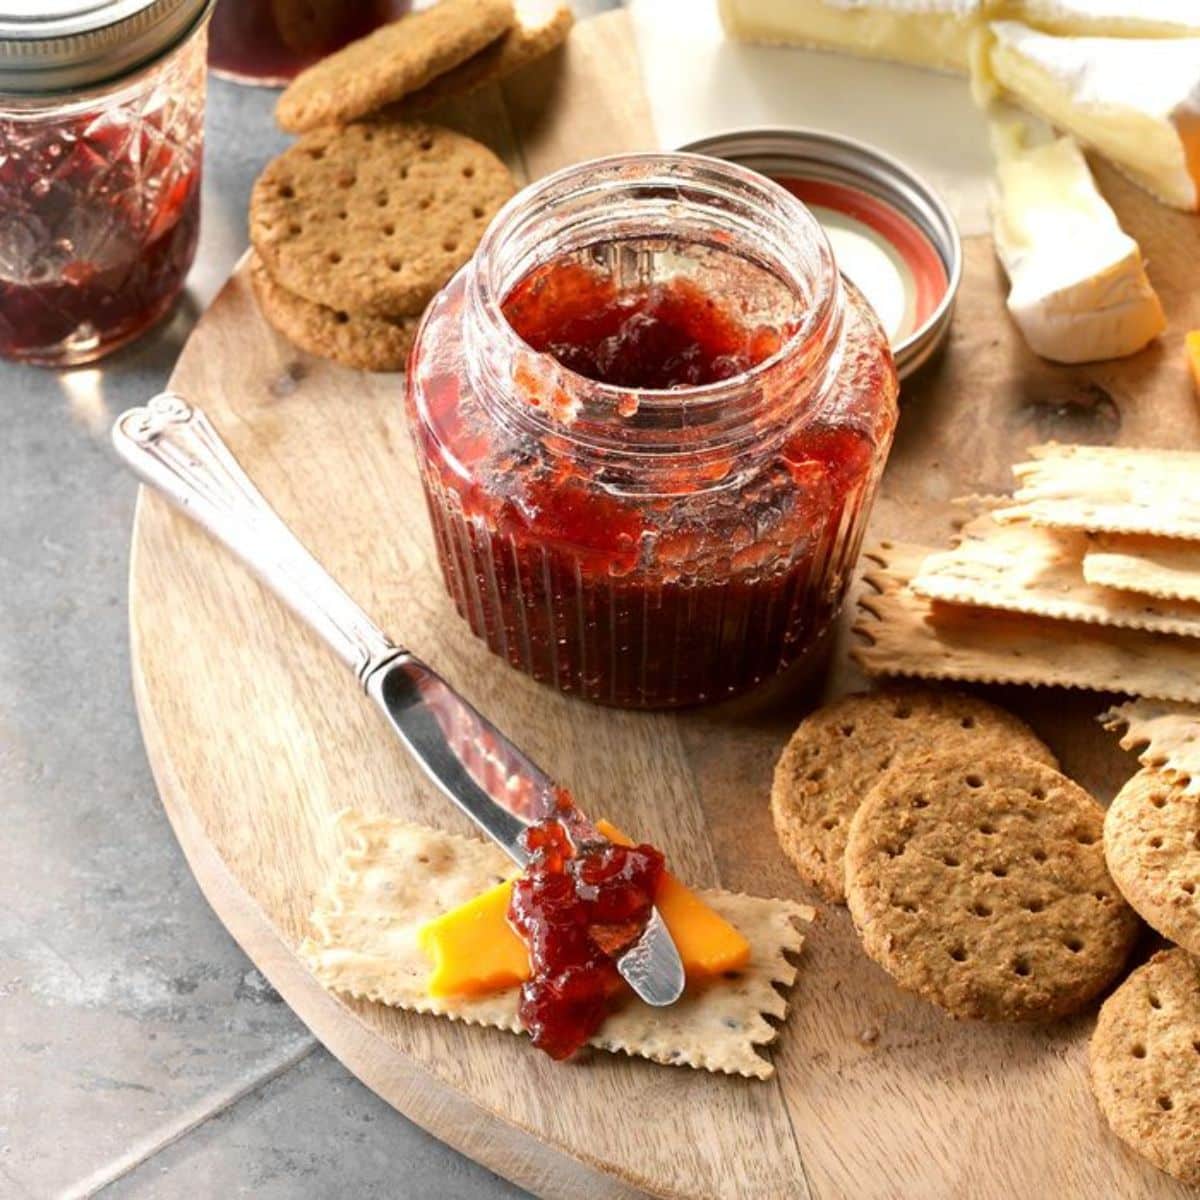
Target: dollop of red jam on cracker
[{"x": 577, "y": 908}]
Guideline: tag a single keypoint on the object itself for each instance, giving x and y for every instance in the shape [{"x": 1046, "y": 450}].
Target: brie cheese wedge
[
  {"x": 927, "y": 33},
  {"x": 1079, "y": 290},
  {"x": 1104, "y": 18},
  {"x": 1137, "y": 101}
]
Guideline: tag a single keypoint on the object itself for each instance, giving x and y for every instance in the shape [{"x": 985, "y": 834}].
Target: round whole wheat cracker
[
  {"x": 839, "y": 752},
  {"x": 1152, "y": 844},
  {"x": 1145, "y": 1063},
  {"x": 375, "y": 218},
  {"x": 367, "y": 343},
  {"x": 980, "y": 884},
  {"x": 541, "y": 27},
  {"x": 391, "y": 62}
]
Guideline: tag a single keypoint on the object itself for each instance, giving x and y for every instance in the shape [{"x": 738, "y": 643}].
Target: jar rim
[{"x": 698, "y": 174}]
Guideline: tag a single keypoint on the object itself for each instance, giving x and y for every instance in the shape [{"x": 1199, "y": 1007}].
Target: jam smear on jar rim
[{"x": 577, "y": 909}]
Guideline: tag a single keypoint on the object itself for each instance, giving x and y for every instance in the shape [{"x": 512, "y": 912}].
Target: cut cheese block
[
  {"x": 928, "y": 33},
  {"x": 1104, "y": 18},
  {"x": 1192, "y": 342},
  {"x": 473, "y": 949},
  {"x": 1136, "y": 101},
  {"x": 1079, "y": 290}
]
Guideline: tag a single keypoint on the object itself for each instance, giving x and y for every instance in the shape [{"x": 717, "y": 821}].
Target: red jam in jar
[
  {"x": 578, "y": 909},
  {"x": 270, "y": 41},
  {"x": 100, "y": 188},
  {"x": 650, "y": 419}
]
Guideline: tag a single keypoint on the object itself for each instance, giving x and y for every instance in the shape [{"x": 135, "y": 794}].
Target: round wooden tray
[{"x": 256, "y": 736}]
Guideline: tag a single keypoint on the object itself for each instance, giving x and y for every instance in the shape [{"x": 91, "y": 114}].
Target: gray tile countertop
[{"x": 141, "y": 1054}]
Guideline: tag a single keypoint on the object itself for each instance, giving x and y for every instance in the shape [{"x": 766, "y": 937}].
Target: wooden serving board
[{"x": 256, "y": 735}]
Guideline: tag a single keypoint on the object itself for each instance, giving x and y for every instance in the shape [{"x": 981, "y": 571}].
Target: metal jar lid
[
  {"x": 56, "y": 46},
  {"x": 892, "y": 233}
]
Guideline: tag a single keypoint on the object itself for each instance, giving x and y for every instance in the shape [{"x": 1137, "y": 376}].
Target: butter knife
[{"x": 171, "y": 446}]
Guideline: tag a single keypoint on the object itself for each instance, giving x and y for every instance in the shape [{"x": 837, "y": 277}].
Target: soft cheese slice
[
  {"x": 1137, "y": 101},
  {"x": 927, "y": 33},
  {"x": 1104, "y": 18},
  {"x": 1079, "y": 290},
  {"x": 473, "y": 949}
]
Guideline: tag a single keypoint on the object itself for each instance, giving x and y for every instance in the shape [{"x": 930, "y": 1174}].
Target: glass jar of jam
[
  {"x": 268, "y": 42},
  {"x": 650, "y": 418},
  {"x": 101, "y": 133}
]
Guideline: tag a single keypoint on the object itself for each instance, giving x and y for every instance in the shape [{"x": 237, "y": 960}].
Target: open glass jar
[
  {"x": 101, "y": 134},
  {"x": 650, "y": 418}
]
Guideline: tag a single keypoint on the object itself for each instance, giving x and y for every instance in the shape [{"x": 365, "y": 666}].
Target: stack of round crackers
[
  {"x": 360, "y": 222},
  {"x": 1145, "y": 1054},
  {"x": 973, "y": 869}
]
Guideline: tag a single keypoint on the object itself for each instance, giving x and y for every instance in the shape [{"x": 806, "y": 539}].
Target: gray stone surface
[{"x": 141, "y": 1055}]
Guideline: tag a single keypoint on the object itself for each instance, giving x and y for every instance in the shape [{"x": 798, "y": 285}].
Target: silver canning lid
[
  {"x": 52, "y": 46},
  {"x": 823, "y": 158}
]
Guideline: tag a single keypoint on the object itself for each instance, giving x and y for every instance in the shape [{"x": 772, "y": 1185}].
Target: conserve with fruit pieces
[{"x": 650, "y": 418}]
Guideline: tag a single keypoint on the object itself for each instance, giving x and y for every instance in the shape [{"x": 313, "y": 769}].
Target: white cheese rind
[
  {"x": 1104, "y": 18},
  {"x": 1136, "y": 101},
  {"x": 926, "y": 33},
  {"x": 1079, "y": 290}
]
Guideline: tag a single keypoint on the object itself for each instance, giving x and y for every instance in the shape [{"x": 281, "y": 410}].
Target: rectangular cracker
[
  {"x": 905, "y": 634},
  {"x": 1027, "y": 568},
  {"x": 1109, "y": 489},
  {"x": 1166, "y": 736},
  {"x": 394, "y": 876},
  {"x": 1162, "y": 567}
]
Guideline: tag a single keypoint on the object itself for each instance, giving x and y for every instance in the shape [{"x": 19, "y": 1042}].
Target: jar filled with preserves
[
  {"x": 268, "y": 42},
  {"x": 651, "y": 417},
  {"x": 101, "y": 136}
]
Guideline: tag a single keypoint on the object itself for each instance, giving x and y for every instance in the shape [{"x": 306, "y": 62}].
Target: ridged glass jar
[
  {"x": 651, "y": 547},
  {"x": 101, "y": 138}
]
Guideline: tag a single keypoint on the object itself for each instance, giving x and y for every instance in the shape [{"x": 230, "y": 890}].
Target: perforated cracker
[
  {"x": 374, "y": 219},
  {"x": 395, "y": 60},
  {"x": 1020, "y": 567},
  {"x": 1150, "y": 845},
  {"x": 1165, "y": 734},
  {"x": 366, "y": 343},
  {"x": 1145, "y": 1065},
  {"x": 979, "y": 882},
  {"x": 394, "y": 876},
  {"x": 1164, "y": 567},
  {"x": 840, "y": 751},
  {"x": 906, "y": 635},
  {"x": 1110, "y": 489},
  {"x": 541, "y": 26}
]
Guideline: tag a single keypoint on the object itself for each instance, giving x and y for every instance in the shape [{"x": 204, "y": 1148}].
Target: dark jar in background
[
  {"x": 650, "y": 418},
  {"x": 101, "y": 139},
  {"x": 268, "y": 42}
]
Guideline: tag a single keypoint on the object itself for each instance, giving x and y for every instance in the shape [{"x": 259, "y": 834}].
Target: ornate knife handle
[{"x": 171, "y": 445}]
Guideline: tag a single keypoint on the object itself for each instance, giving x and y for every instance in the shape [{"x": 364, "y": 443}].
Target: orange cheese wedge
[
  {"x": 1193, "y": 354},
  {"x": 474, "y": 949}
]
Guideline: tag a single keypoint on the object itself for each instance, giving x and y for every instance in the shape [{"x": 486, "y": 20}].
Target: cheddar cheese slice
[
  {"x": 474, "y": 950},
  {"x": 1192, "y": 342}
]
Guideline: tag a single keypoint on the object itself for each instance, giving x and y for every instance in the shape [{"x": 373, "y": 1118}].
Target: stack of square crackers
[
  {"x": 359, "y": 224},
  {"x": 1087, "y": 577}
]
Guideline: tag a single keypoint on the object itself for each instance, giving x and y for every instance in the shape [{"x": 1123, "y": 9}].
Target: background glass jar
[
  {"x": 101, "y": 137},
  {"x": 269, "y": 41},
  {"x": 651, "y": 418}
]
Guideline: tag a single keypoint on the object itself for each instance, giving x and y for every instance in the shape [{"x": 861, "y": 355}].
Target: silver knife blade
[{"x": 504, "y": 792}]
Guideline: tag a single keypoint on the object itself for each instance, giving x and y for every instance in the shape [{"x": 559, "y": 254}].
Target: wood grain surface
[{"x": 256, "y": 735}]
